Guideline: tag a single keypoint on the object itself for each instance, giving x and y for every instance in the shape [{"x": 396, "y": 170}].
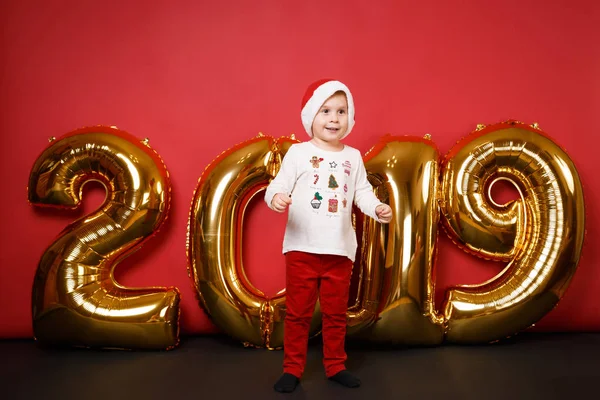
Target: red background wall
[{"x": 198, "y": 77}]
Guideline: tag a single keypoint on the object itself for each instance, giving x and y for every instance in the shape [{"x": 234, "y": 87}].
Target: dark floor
[{"x": 529, "y": 366}]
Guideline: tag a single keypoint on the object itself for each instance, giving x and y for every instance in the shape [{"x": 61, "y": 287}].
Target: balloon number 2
[
  {"x": 76, "y": 300},
  {"x": 540, "y": 235}
]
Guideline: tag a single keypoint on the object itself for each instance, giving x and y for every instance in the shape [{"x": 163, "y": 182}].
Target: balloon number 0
[{"x": 76, "y": 300}]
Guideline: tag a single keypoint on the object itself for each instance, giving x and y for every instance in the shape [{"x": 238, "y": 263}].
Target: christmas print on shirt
[
  {"x": 329, "y": 180},
  {"x": 315, "y": 161},
  {"x": 316, "y": 201},
  {"x": 332, "y": 182},
  {"x": 333, "y": 205}
]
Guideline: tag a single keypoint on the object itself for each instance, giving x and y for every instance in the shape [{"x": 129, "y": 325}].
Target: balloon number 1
[
  {"x": 396, "y": 284},
  {"x": 77, "y": 302}
]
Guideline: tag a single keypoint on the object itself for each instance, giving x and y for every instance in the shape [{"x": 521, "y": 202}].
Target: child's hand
[
  {"x": 384, "y": 213},
  {"x": 280, "y": 202}
]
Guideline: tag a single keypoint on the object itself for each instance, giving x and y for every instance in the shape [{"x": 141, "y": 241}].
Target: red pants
[{"x": 309, "y": 275}]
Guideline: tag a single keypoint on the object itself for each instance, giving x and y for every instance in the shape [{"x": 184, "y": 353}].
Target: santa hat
[{"x": 316, "y": 94}]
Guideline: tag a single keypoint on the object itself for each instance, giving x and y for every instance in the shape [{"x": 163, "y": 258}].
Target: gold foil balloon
[
  {"x": 541, "y": 234},
  {"x": 76, "y": 300},
  {"x": 215, "y": 243},
  {"x": 396, "y": 285}
]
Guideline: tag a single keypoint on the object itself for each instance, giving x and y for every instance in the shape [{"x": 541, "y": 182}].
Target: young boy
[{"x": 319, "y": 180}]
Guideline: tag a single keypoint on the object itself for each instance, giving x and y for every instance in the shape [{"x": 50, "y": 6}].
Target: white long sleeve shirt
[{"x": 322, "y": 185}]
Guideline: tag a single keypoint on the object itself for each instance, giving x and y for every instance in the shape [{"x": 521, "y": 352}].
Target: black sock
[
  {"x": 346, "y": 378},
  {"x": 287, "y": 383}
]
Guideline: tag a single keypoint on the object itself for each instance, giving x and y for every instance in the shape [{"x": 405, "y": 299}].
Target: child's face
[{"x": 331, "y": 122}]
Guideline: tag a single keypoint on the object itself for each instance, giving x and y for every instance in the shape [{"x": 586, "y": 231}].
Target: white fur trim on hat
[{"x": 319, "y": 96}]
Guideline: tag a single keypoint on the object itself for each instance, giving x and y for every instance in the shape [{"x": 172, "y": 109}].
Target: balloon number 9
[
  {"x": 541, "y": 234},
  {"x": 76, "y": 300}
]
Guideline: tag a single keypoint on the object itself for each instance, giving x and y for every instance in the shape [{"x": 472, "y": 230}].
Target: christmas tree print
[{"x": 332, "y": 182}]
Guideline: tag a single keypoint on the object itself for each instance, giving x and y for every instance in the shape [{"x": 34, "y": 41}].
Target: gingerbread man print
[{"x": 315, "y": 161}]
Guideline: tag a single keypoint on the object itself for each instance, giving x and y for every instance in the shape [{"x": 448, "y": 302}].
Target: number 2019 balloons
[{"x": 540, "y": 235}]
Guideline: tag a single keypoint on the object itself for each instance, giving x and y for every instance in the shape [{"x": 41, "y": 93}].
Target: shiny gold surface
[
  {"x": 215, "y": 243},
  {"x": 395, "y": 296},
  {"x": 541, "y": 234},
  {"x": 75, "y": 299}
]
